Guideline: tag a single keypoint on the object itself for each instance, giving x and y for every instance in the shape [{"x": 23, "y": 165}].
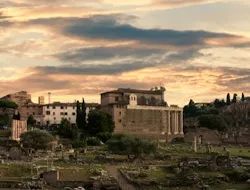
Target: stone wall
[
  {"x": 146, "y": 123},
  {"x": 51, "y": 177},
  {"x": 203, "y": 134}
]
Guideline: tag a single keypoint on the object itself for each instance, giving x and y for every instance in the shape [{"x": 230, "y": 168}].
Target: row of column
[{"x": 174, "y": 123}]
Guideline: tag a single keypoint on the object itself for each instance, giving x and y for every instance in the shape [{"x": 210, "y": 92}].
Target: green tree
[
  {"x": 242, "y": 97},
  {"x": 130, "y": 146},
  {"x": 8, "y": 104},
  {"x": 4, "y": 119},
  {"x": 234, "y": 100},
  {"x": 190, "y": 111},
  {"x": 214, "y": 122},
  {"x": 36, "y": 139},
  {"x": 219, "y": 103},
  {"x": 78, "y": 114},
  {"x": 228, "y": 99},
  {"x": 99, "y": 122},
  {"x": 31, "y": 121},
  {"x": 67, "y": 130},
  {"x": 83, "y": 114},
  {"x": 77, "y": 143}
]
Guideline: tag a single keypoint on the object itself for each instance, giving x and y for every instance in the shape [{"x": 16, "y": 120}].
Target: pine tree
[
  {"x": 228, "y": 99},
  {"x": 243, "y": 97},
  {"x": 191, "y": 103}
]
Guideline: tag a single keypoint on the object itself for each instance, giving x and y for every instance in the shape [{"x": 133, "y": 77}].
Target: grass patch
[{"x": 15, "y": 171}]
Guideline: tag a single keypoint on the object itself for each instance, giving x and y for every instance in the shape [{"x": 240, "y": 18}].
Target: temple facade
[{"x": 143, "y": 113}]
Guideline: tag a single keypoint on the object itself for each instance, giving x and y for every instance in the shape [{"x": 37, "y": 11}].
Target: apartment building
[{"x": 53, "y": 113}]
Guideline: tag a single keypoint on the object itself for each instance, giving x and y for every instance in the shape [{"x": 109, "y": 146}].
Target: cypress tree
[
  {"x": 228, "y": 99},
  {"x": 243, "y": 97},
  {"x": 78, "y": 114},
  {"x": 234, "y": 100},
  {"x": 83, "y": 114}
]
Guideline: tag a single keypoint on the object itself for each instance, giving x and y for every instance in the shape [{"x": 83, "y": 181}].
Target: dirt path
[{"x": 123, "y": 183}]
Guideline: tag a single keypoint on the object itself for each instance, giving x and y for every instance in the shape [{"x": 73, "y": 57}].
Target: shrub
[
  {"x": 104, "y": 137},
  {"x": 36, "y": 139},
  {"x": 93, "y": 141},
  {"x": 178, "y": 140},
  {"x": 77, "y": 143},
  {"x": 130, "y": 145}
]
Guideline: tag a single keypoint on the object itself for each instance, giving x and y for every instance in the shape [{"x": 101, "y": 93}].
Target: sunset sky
[{"x": 197, "y": 49}]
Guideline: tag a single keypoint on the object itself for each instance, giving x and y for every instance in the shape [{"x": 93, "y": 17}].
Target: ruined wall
[
  {"x": 20, "y": 98},
  {"x": 207, "y": 136},
  {"x": 35, "y": 110},
  {"x": 18, "y": 127}
]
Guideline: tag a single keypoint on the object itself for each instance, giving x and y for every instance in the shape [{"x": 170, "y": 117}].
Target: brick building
[{"x": 36, "y": 110}]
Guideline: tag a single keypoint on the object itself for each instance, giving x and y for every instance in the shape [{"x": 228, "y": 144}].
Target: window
[
  {"x": 54, "y": 107},
  {"x": 61, "y": 107},
  {"x": 66, "y": 113},
  {"x": 69, "y": 118},
  {"x": 54, "y": 118},
  {"x": 62, "y": 113},
  {"x": 120, "y": 120},
  {"x": 33, "y": 113},
  {"x": 47, "y": 112},
  {"x": 73, "y": 113},
  {"x": 48, "y": 122},
  {"x": 73, "y": 107},
  {"x": 116, "y": 99},
  {"x": 120, "y": 113},
  {"x": 54, "y": 113},
  {"x": 65, "y": 107},
  {"x": 47, "y": 107}
]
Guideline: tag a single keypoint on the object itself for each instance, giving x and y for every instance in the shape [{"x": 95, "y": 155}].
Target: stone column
[
  {"x": 176, "y": 123},
  {"x": 169, "y": 123},
  {"x": 164, "y": 122},
  {"x": 173, "y": 122},
  {"x": 181, "y": 123},
  {"x": 195, "y": 144}
]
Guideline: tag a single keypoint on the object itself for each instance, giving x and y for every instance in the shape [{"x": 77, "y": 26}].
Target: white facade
[{"x": 55, "y": 112}]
